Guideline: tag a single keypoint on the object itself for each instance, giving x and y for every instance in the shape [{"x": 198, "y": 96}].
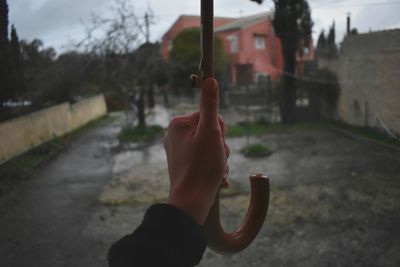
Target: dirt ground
[{"x": 334, "y": 202}]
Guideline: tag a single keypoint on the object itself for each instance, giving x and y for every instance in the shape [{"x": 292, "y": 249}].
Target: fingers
[
  {"x": 227, "y": 149},
  {"x": 225, "y": 181},
  {"x": 180, "y": 122},
  {"x": 209, "y": 104},
  {"x": 181, "y": 127},
  {"x": 165, "y": 140},
  {"x": 222, "y": 126},
  {"x": 194, "y": 117},
  {"x": 224, "y": 129}
]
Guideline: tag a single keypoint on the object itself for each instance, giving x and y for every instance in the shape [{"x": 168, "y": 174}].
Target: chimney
[{"x": 348, "y": 23}]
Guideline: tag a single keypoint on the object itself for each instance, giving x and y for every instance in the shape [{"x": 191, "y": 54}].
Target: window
[
  {"x": 259, "y": 42},
  {"x": 233, "y": 44}
]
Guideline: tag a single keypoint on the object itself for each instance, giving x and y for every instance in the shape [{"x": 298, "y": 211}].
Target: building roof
[
  {"x": 197, "y": 16},
  {"x": 243, "y": 22},
  {"x": 196, "y": 19},
  {"x": 372, "y": 42}
]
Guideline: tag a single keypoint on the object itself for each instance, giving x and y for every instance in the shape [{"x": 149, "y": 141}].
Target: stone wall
[
  {"x": 368, "y": 70},
  {"x": 25, "y": 132},
  {"x": 370, "y": 91}
]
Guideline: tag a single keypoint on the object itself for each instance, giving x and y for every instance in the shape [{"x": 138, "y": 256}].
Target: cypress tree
[
  {"x": 5, "y": 81},
  {"x": 321, "y": 44},
  {"x": 292, "y": 21},
  {"x": 15, "y": 46},
  {"x": 3, "y": 23},
  {"x": 321, "y": 40},
  {"x": 331, "y": 42},
  {"x": 18, "y": 73},
  {"x": 331, "y": 36}
]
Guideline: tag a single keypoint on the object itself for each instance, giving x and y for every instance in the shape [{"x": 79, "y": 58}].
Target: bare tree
[
  {"x": 121, "y": 33},
  {"x": 115, "y": 39}
]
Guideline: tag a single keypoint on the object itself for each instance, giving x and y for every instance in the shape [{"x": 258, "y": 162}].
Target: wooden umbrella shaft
[
  {"x": 218, "y": 239},
  {"x": 207, "y": 39}
]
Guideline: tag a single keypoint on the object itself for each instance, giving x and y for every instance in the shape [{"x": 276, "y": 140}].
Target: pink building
[
  {"x": 250, "y": 43},
  {"x": 182, "y": 23}
]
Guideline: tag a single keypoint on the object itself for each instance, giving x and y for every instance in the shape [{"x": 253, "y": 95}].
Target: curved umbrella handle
[{"x": 228, "y": 243}]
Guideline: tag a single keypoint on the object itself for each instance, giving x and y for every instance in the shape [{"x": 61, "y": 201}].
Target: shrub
[
  {"x": 256, "y": 151},
  {"x": 138, "y": 134}
]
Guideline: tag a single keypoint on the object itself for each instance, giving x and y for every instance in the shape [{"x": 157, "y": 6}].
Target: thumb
[{"x": 209, "y": 102}]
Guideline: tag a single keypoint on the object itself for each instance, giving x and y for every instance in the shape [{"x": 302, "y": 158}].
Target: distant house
[
  {"x": 182, "y": 23},
  {"x": 250, "y": 42}
]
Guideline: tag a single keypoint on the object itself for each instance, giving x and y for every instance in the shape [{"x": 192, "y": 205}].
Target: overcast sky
[{"x": 56, "y": 22}]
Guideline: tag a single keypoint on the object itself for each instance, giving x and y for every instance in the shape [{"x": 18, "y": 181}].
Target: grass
[
  {"x": 140, "y": 134},
  {"x": 261, "y": 128},
  {"x": 256, "y": 151},
  {"x": 19, "y": 168},
  {"x": 369, "y": 133}
]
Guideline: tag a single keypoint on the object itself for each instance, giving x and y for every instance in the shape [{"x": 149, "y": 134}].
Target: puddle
[{"x": 139, "y": 177}]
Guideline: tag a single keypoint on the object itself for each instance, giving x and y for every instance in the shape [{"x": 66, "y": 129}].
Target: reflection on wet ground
[{"x": 139, "y": 177}]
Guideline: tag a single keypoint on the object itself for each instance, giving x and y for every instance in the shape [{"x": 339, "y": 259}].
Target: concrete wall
[
  {"x": 368, "y": 70},
  {"x": 370, "y": 91},
  {"x": 25, "y": 132}
]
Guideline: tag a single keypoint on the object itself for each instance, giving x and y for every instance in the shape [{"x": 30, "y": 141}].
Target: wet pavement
[
  {"x": 334, "y": 202},
  {"x": 45, "y": 222}
]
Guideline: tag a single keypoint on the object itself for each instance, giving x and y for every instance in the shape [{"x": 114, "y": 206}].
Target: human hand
[{"x": 197, "y": 156}]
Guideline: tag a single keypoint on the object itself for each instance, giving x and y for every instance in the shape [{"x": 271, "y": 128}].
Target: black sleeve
[{"x": 167, "y": 236}]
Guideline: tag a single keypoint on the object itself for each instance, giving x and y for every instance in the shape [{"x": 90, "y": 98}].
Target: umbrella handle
[
  {"x": 236, "y": 241},
  {"x": 218, "y": 240}
]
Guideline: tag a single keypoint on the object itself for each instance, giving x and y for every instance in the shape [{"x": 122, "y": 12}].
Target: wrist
[{"x": 196, "y": 207}]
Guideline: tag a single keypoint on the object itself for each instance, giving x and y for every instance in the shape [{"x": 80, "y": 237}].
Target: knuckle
[
  {"x": 174, "y": 123},
  {"x": 227, "y": 150},
  {"x": 180, "y": 125}
]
